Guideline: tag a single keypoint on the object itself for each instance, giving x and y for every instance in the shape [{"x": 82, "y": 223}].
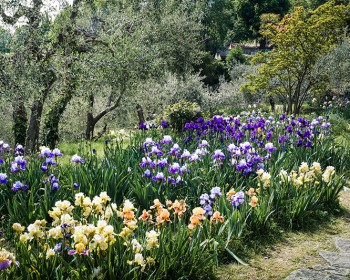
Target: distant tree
[
  {"x": 313, "y": 4},
  {"x": 30, "y": 75},
  {"x": 235, "y": 56},
  {"x": 247, "y": 14},
  {"x": 137, "y": 41},
  {"x": 217, "y": 21},
  {"x": 301, "y": 39},
  {"x": 212, "y": 70},
  {"x": 336, "y": 65}
]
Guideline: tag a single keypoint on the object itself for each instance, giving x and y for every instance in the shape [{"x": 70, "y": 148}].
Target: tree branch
[{"x": 108, "y": 109}]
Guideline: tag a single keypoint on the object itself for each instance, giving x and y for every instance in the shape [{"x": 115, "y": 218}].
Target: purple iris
[
  {"x": 57, "y": 153},
  {"x": 281, "y": 139},
  {"x": 159, "y": 177},
  {"x": 218, "y": 155},
  {"x": 5, "y": 264},
  {"x": 232, "y": 148},
  {"x": 166, "y": 140},
  {"x": 77, "y": 159},
  {"x": 147, "y": 162},
  {"x": 175, "y": 167},
  {"x": 175, "y": 150},
  {"x": 4, "y": 146},
  {"x": 164, "y": 124},
  {"x": 208, "y": 210},
  {"x": 76, "y": 185},
  {"x": 215, "y": 192},
  {"x": 18, "y": 164},
  {"x": 1, "y": 161},
  {"x": 204, "y": 144},
  {"x": 45, "y": 152},
  {"x": 237, "y": 199},
  {"x": 55, "y": 186},
  {"x": 241, "y": 164},
  {"x": 53, "y": 179},
  {"x": 73, "y": 252},
  {"x": 18, "y": 186},
  {"x": 308, "y": 144},
  {"x": 19, "y": 150},
  {"x": 186, "y": 154},
  {"x": 44, "y": 167},
  {"x": 195, "y": 157},
  {"x": 162, "y": 162},
  {"x": 143, "y": 126},
  {"x": 58, "y": 247},
  {"x": 48, "y": 162},
  {"x": 204, "y": 199},
  {"x": 183, "y": 169},
  {"x": 269, "y": 135},
  {"x": 269, "y": 147},
  {"x": 147, "y": 174},
  {"x": 155, "y": 151},
  {"x": 3, "y": 178},
  {"x": 171, "y": 180}
]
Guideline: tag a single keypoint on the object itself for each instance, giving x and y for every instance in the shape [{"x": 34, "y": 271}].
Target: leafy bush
[
  {"x": 235, "y": 56},
  {"x": 180, "y": 113}
]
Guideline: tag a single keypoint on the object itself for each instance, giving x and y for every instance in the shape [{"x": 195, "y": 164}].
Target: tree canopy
[{"x": 300, "y": 39}]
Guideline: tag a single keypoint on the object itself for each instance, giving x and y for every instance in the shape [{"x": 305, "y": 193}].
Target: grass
[{"x": 293, "y": 250}]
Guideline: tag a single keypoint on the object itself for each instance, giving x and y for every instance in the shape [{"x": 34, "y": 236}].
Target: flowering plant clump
[
  {"x": 96, "y": 229},
  {"x": 303, "y": 191},
  {"x": 194, "y": 193}
]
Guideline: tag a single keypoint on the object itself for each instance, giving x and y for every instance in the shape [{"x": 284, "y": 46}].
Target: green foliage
[
  {"x": 217, "y": 21},
  {"x": 212, "y": 70},
  {"x": 336, "y": 65},
  {"x": 235, "y": 56},
  {"x": 247, "y": 16},
  {"x": 5, "y": 38},
  {"x": 180, "y": 113},
  {"x": 19, "y": 123},
  {"x": 301, "y": 39}
]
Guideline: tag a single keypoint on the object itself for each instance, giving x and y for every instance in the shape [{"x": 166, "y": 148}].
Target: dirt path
[{"x": 296, "y": 250}]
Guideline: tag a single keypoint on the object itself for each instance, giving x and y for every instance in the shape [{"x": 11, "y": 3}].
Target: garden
[
  {"x": 162, "y": 203},
  {"x": 169, "y": 139}
]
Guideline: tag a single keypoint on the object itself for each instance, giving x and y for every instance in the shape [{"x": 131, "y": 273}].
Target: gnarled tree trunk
[
  {"x": 32, "y": 140},
  {"x": 19, "y": 120}
]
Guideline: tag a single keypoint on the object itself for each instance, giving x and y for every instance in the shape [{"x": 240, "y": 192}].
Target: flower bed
[{"x": 170, "y": 204}]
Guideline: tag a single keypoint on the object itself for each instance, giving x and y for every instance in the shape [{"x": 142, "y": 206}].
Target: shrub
[{"x": 180, "y": 113}]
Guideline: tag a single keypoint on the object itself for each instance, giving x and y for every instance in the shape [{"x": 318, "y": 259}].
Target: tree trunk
[
  {"x": 290, "y": 106},
  {"x": 140, "y": 114},
  {"x": 272, "y": 103},
  {"x": 53, "y": 120},
  {"x": 33, "y": 132},
  {"x": 90, "y": 122},
  {"x": 90, "y": 127},
  {"x": 32, "y": 139},
  {"x": 296, "y": 106},
  {"x": 19, "y": 121}
]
